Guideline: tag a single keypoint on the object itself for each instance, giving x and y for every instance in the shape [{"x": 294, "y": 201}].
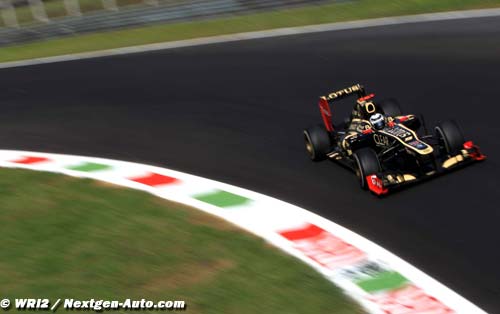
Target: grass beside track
[
  {"x": 64, "y": 237},
  {"x": 334, "y": 12}
]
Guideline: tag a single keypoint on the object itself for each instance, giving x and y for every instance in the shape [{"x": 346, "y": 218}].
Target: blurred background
[
  {"x": 148, "y": 21},
  {"x": 27, "y": 20},
  {"x": 128, "y": 108}
]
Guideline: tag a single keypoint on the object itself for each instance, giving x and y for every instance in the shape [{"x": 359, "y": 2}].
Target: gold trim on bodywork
[
  {"x": 344, "y": 92},
  {"x": 400, "y": 178},
  {"x": 334, "y": 155},
  {"x": 425, "y": 151},
  {"x": 370, "y": 107},
  {"x": 453, "y": 161},
  {"x": 409, "y": 177},
  {"x": 344, "y": 141},
  {"x": 360, "y": 120}
]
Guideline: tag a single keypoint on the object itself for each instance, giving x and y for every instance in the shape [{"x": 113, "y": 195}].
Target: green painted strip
[
  {"x": 221, "y": 198},
  {"x": 89, "y": 167},
  {"x": 383, "y": 281}
]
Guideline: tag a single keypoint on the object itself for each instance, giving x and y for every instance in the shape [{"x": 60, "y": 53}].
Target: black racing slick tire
[
  {"x": 367, "y": 163},
  {"x": 390, "y": 107},
  {"x": 449, "y": 136},
  {"x": 317, "y": 142}
]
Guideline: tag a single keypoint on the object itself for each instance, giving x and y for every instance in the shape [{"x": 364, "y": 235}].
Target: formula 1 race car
[{"x": 385, "y": 148}]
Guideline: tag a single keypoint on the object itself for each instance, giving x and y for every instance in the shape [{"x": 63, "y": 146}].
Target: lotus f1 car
[{"x": 384, "y": 147}]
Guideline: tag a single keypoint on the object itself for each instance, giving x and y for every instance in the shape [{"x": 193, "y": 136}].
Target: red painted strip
[
  {"x": 155, "y": 179},
  {"x": 309, "y": 231},
  {"x": 409, "y": 300},
  {"x": 366, "y": 97},
  {"x": 28, "y": 160},
  {"x": 323, "y": 247}
]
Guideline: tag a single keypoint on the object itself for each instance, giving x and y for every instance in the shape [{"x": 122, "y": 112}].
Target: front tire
[
  {"x": 317, "y": 142},
  {"x": 450, "y": 137},
  {"x": 367, "y": 163}
]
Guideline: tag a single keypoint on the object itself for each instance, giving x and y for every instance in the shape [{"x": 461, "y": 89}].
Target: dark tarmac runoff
[{"x": 235, "y": 112}]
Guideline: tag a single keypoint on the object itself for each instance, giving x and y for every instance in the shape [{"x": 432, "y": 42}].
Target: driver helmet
[{"x": 378, "y": 121}]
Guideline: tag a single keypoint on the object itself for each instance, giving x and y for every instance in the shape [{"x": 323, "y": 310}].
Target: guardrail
[{"x": 162, "y": 12}]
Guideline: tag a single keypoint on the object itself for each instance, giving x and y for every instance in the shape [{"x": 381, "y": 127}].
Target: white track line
[
  {"x": 430, "y": 17},
  {"x": 341, "y": 255}
]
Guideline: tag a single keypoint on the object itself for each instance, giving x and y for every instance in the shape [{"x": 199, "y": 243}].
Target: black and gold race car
[{"x": 384, "y": 147}]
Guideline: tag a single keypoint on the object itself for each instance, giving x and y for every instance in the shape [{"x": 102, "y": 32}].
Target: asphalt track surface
[{"x": 234, "y": 112}]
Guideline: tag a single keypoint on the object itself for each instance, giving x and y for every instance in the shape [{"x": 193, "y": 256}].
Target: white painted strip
[
  {"x": 420, "y": 18},
  {"x": 268, "y": 218}
]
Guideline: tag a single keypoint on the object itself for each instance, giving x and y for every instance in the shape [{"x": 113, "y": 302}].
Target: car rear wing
[
  {"x": 324, "y": 102},
  {"x": 357, "y": 89}
]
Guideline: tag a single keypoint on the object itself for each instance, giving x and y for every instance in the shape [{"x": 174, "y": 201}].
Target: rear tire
[
  {"x": 450, "y": 137},
  {"x": 317, "y": 142},
  {"x": 390, "y": 107},
  {"x": 367, "y": 163}
]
